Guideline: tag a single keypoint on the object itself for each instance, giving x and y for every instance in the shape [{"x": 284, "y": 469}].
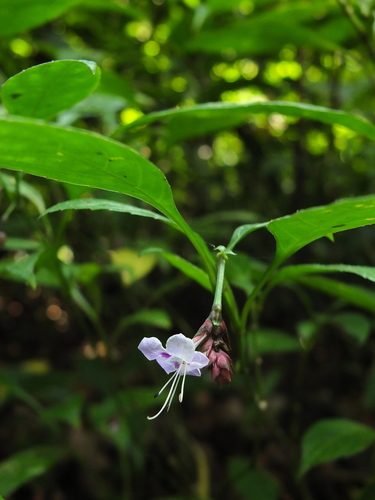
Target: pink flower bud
[
  {"x": 221, "y": 368},
  {"x": 212, "y": 340}
]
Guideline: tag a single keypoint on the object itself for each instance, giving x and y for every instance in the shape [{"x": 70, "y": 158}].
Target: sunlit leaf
[
  {"x": 330, "y": 439},
  {"x": 43, "y": 91},
  {"x": 132, "y": 265},
  {"x": 25, "y": 465}
]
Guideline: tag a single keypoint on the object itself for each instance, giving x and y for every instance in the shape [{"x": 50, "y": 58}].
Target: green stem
[{"x": 217, "y": 304}]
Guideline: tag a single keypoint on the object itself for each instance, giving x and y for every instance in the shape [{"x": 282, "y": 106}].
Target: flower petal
[
  {"x": 180, "y": 346},
  {"x": 195, "y": 372},
  {"x": 169, "y": 364},
  {"x": 199, "y": 360},
  {"x": 151, "y": 347}
]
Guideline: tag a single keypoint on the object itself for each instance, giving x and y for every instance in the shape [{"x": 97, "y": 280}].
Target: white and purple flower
[{"x": 178, "y": 356}]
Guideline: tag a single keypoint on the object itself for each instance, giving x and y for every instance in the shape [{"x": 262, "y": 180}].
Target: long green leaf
[
  {"x": 186, "y": 267},
  {"x": 331, "y": 439},
  {"x": 88, "y": 159},
  {"x": 101, "y": 204},
  {"x": 297, "y": 230},
  {"x": 21, "y": 15},
  {"x": 193, "y": 121},
  {"x": 295, "y": 272},
  {"x": 43, "y": 91},
  {"x": 25, "y": 465},
  {"x": 83, "y": 158}
]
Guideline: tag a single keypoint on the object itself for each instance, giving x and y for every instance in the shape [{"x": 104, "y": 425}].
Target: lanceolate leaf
[
  {"x": 331, "y": 439},
  {"x": 43, "y": 91},
  {"x": 101, "y": 204},
  {"x": 192, "y": 121},
  {"x": 295, "y": 272},
  {"x": 83, "y": 158},
  {"x": 295, "y": 231},
  {"x": 358, "y": 296},
  {"x": 189, "y": 269},
  {"x": 88, "y": 159}
]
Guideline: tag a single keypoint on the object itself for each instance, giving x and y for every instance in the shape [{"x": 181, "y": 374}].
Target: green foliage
[
  {"x": 331, "y": 439},
  {"x": 45, "y": 90},
  {"x": 19, "y": 15},
  {"x": 222, "y": 116},
  {"x": 26, "y": 465},
  {"x": 197, "y": 120}
]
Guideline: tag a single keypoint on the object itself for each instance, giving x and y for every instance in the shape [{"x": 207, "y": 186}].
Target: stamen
[
  {"x": 181, "y": 395},
  {"x": 170, "y": 394},
  {"x": 175, "y": 384},
  {"x": 164, "y": 386}
]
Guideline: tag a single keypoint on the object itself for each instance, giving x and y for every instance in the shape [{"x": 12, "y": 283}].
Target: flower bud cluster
[{"x": 212, "y": 340}]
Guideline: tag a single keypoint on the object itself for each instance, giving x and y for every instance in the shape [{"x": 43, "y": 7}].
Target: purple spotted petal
[
  {"x": 180, "y": 347},
  {"x": 151, "y": 347}
]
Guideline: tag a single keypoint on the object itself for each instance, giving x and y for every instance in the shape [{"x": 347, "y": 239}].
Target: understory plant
[{"x": 237, "y": 276}]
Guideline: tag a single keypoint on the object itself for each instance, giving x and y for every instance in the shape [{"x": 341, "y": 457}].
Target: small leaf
[
  {"x": 331, "y": 439},
  {"x": 101, "y": 204},
  {"x": 25, "y": 465},
  {"x": 297, "y": 230},
  {"x": 43, "y": 91}
]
